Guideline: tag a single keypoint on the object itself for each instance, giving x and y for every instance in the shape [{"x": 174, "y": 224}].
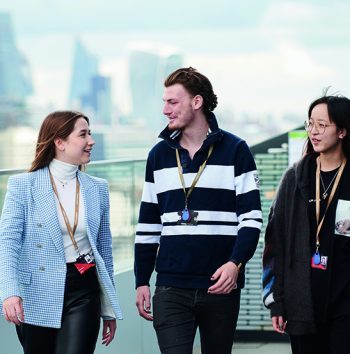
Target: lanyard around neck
[
  {"x": 71, "y": 231},
  {"x": 318, "y": 197},
  {"x": 201, "y": 168}
]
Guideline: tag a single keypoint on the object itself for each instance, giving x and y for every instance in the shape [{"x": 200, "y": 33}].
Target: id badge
[
  {"x": 318, "y": 261},
  {"x": 187, "y": 217},
  {"x": 84, "y": 263}
]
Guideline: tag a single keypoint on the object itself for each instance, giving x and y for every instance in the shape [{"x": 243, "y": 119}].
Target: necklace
[
  {"x": 325, "y": 190},
  {"x": 63, "y": 183}
]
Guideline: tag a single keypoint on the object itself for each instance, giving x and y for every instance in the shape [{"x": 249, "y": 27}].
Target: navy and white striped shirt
[{"x": 226, "y": 198}]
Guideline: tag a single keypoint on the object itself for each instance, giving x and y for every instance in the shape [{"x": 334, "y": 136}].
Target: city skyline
[
  {"x": 267, "y": 60},
  {"x": 263, "y": 57}
]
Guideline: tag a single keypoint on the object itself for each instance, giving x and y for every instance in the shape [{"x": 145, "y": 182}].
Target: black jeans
[
  {"x": 178, "y": 312},
  {"x": 331, "y": 338},
  {"x": 80, "y": 321}
]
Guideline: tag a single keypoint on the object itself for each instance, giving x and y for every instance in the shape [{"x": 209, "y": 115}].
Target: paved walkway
[{"x": 257, "y": 348}]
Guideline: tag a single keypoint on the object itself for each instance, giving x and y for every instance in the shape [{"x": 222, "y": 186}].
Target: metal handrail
[{"x": 93, "y": 163}]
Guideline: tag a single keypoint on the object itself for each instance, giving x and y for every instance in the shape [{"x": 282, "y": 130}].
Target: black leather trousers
[{"x": 80, "y": 321}]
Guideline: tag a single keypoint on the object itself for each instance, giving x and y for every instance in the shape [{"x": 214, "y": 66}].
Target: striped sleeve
[
  {"x": 148, "y": 230},
  {"x": 248, "y": 206},
  {"x": 268, "y": 277},
  {"x": 272, "y": 277}
]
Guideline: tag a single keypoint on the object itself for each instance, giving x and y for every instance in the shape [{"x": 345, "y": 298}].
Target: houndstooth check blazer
[{"x": 32, "y": 258}]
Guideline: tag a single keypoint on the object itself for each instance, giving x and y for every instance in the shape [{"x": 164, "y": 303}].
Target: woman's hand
[
  {"x": 109, "y": 329},
  {"x": 12, "y": 308},
  {"x": 278, "y": 324}
]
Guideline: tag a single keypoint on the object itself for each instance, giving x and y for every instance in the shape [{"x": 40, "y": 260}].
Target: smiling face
[
  {"x": 329, "y": 141},
  {"x": 76, "y": 149},
  {"x": 180, "y": 106}
]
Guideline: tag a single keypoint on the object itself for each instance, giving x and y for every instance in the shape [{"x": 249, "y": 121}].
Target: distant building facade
[
  {"x": 17, "y": 147},
  {"x": 90, "y": 91},
  {"x": 15, "y": 80},
  {"x": 149, "y": 65},
  {"x": 99, "y": 100},
  {"x": 85, "y": 66}
]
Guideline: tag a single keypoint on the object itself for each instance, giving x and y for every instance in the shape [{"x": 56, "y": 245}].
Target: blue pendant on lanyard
[
  {"x": 318, "y": 261},
  {"x": 316, "y": 258},
  {"x": 185, "y": 215}
]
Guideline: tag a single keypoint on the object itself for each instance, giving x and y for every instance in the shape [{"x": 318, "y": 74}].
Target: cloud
[
  {"x": 283, "y": 79},
  {"x": 37, "y": 16},
  {"x": 312, "y": 15},
  {"x": 282, "y": 53},
  {"x": 298, "y": 63},
  {"x": 290, "y": 13}
]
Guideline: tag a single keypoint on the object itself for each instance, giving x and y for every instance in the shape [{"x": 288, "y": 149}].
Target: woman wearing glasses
[
  {"x": 56, "y": 266},
  {"x": 306, "y": 260}
]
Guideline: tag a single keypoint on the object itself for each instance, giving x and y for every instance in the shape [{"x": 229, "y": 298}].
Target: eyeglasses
[{"x": 321, "y": 127}]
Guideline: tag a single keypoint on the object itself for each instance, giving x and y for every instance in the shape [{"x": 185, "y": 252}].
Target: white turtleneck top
[{"x": 64, "y": 175}]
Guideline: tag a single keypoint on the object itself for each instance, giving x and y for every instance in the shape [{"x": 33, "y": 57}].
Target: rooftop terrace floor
[{"x": 257, "y": 348}]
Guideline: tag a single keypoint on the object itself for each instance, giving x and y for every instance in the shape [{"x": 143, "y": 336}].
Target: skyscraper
[
  {"x": 90, "y": 91},
  {"x": 99, "y": 100},
  {"x": 149, "y": 65},
  {"x": 85, "y": 66},
  {"x": 15, "y": 81}
]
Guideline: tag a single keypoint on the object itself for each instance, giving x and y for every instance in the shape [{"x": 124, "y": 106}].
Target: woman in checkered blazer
[{"x": 56, "y": 269}]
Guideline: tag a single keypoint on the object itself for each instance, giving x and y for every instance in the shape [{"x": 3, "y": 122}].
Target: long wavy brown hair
[{"x": 59, "y": 124}]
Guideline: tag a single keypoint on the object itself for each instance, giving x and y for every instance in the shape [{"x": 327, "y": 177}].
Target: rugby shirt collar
[{"x": 214, "y": 134}]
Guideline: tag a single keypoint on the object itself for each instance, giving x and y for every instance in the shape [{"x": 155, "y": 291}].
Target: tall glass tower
[
  {"x": 15, "y": 81},
  {"x": 85, "y": 66},
  {"x": 99, "y": 99},
  {"x": 149, "y": 65}
]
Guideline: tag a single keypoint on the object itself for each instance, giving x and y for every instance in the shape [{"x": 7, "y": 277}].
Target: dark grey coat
[{"x": 287, "y": 254}]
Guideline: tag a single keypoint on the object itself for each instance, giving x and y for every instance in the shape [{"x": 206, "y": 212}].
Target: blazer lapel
[
  {"x": 45, "y": 202},
  {"x": 92, "y": 206}
]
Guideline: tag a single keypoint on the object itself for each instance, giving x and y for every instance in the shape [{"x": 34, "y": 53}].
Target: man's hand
[
  {"x": 278, "y": 324},
  {"x": 12, "y": 308},
  {"x": 143, "y": 302},
  {"x": 108, "y": 332},
  {"x": 226, "y": 277}
]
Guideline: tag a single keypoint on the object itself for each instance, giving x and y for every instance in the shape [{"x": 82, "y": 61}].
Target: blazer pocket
[{"x": 24, "y": 277}]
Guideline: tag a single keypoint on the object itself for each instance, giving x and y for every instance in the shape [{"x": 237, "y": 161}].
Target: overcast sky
[{"x": 263, "y": 57}]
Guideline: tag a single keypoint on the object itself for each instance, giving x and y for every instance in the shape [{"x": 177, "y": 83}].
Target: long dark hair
[
  {"x": 339, "y": 113},
  {"x": 57, "y": 124}
]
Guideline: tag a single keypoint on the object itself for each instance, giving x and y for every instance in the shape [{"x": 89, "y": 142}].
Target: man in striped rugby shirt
[{"x": 199, "y": 222}]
